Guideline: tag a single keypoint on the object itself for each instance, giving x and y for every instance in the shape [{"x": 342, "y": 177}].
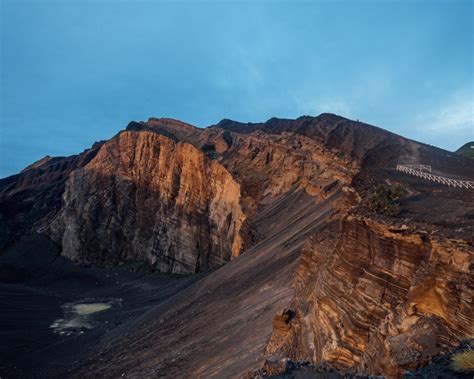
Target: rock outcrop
[
  {"x": 147, "y": 197},
  {"x": 371, "y": 298},
  {"x": 30, "y": 200},
  {"x": 267, "y": 166}
]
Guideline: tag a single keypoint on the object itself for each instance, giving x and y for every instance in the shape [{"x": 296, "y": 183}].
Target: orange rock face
[
  {"x": 377, "y": 300},
  {"x": 146, "y": 197},
  {"x": 270, "y": 165}
]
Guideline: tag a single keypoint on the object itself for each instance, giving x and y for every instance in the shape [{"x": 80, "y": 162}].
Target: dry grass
[{"x": 463, "y": 361}]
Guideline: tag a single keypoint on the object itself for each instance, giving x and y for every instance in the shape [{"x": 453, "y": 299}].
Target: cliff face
[
  {"x": 268, "y": 166},
  {"x": 31, "y": 199},
  {"x": 376, "y": 299},
  {"x": 146, "y": 197}
]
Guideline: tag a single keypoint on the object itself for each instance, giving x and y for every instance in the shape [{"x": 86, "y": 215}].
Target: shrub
[
  {"x": 463, "y": 361},
  {"x": 384, "y": 199}
]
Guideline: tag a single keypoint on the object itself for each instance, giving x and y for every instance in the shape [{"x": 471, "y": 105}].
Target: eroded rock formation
[
  {"x": 147, "y": 197},
  {"x": 376, "y": 299},
  {"x": 31, "y": 199}
]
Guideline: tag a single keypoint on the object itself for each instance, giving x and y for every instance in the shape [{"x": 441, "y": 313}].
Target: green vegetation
[
  {"x": 463, "y": 361},
  {"x": 384, "y": 199},
  {"x": 467, "y": 150}
]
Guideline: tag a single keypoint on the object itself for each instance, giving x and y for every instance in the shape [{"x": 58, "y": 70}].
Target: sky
[{"x": 77, "y": 71}]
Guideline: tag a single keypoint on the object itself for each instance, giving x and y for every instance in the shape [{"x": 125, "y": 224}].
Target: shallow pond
[{"x": 81, "y": 315}]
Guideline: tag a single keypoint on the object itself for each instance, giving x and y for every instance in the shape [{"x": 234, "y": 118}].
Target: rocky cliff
[
  {"x": 269, "y": 165},
  {"x": 376, "y": 298},
  {"x": 30, "y": 200},
  {"x": 145, "y": 197}
]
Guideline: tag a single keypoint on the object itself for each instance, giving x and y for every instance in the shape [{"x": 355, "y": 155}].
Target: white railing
[
  {"x": 419, "y": 167},
  {"x": 420, "y": 171}
]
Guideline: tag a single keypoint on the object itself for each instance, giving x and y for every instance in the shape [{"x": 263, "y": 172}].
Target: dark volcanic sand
[{"x": 34, "y": 299}]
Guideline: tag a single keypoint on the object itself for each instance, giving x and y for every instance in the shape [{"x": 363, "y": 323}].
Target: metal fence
[{"x": 424, "y": 172}]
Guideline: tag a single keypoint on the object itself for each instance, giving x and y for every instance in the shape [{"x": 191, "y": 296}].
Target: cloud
[
  {"x": 455, "y": 116},
  {"x": 449, "y": 123}
]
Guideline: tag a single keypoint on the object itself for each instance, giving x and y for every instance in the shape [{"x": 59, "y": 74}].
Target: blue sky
[{"x": 73, "y": 72}]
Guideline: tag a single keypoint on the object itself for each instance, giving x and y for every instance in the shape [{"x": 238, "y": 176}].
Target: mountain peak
[{"x": 169, "y": 122}]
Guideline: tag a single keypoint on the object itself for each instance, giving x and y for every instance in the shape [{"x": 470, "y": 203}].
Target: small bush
[
  {"x": 463, "y": 361},
  {"x": 383, "y": 199}
]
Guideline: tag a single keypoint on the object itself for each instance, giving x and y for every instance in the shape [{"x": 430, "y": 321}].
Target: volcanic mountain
[{"x": 232, "y": 250}]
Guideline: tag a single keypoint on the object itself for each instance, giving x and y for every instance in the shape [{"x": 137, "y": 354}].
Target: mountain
[
  {"x": 288, "y": 239},
  {"x": 466, "y": 150}
]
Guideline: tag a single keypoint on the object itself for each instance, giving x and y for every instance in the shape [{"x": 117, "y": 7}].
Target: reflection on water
[
  {"x": 80, "y": 315},
  {"x": 87, "y": 309}
]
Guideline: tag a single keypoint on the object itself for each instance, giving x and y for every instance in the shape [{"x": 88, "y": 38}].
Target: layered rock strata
[
  {"x": 371, "y": 298},
  {"x": 147, "y": 197}
]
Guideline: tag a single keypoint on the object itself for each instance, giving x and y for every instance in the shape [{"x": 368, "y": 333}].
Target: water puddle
[
  {"x": 80, "y": 316},
  {"x": 87, "y": 309}
]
